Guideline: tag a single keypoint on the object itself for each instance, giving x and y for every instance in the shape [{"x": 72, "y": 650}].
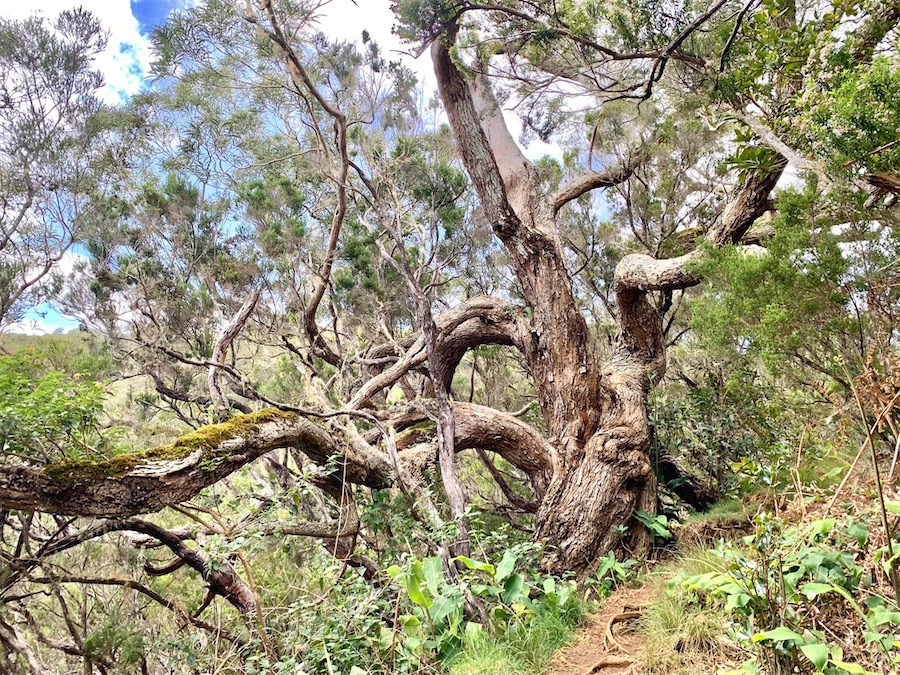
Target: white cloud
[
  {"x": 346, "y": 20},
  {"x": 127, "y": 57}
]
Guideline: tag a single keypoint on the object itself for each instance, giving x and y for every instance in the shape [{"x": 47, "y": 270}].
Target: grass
[
  {"x": 680, "y": 635},
  {"x": 727, "y": 507},
  {"x": 520, "y": 648}
]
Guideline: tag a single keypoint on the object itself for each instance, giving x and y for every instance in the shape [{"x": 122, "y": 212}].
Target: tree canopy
[{"x": 342, "y": 334}]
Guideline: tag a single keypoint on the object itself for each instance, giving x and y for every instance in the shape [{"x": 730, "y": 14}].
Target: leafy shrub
[
  {"x": 779, "y": 589},
  {"x": 46, "y": 414}
]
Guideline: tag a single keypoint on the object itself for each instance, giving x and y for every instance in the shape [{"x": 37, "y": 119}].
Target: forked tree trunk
[
  {"x": 590, "y": 473},
  {"x": 596, "y": 415},
  {"x": 589, "y": 506}
]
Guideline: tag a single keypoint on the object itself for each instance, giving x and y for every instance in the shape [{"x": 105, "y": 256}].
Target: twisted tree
[{"x": 585, "y": 464}]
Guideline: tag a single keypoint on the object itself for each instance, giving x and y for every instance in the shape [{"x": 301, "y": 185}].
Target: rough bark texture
[
  {"x": 148, "y": 481},
  {"x": 168, "y": 475},
  {"x": 220, "y": 351},
  {"x": 591, "y": 471},
  {"x": 597, "y": 415},
  {"x": 883, "y": 18}
]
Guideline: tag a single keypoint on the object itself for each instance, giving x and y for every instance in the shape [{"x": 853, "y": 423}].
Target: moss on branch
[{"x": 208, "y": 440}]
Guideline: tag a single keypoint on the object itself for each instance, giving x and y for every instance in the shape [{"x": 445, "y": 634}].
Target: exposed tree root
[
  {"x": 613, "y": 620},
  {"x": 610, "y": 661}
]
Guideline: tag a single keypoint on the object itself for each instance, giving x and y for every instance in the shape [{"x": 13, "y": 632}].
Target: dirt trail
[{"x": 608, "y": 643}]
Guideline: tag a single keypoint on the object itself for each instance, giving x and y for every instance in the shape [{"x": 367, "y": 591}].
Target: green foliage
[
  {"x": 851, "y": 121},
  {"x": 657, "y": 525},
  {"x": 116, "y": 641},
  {"x": 785, "y": 302},
  {"x": 676, "y": 629},
  {"x": 775, "y": 589},
  {"x": 510, "y": 599},
  {"x": 421, "y": 20},
  {"x": 733, "y": 430},
  {"x": 55, "y": 150},
  {"x": 45, "y": 414},
  {"x": 612, "y": 572},
  {"x": 517, "y": 648}
]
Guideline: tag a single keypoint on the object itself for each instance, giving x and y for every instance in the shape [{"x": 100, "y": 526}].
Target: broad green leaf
[
  {"x": 506, "y": 566},
  {"x": 410, "y": 622},
  {"x": 356, "y": 670},
  {"x": 858, "y": 531},
  {"x": 549, "y": 585},
  {"x": 476, "y": 564},
  {"x": 817, "y": 654},
  {"x": 879, "y": 617},
  {"x": 813, "y": 590},
  {"x": 705, "y": 582},
  {"x": 434, "y": 574},
  {"x": 482, "y": 590},
  {"x": 777, "y": 635},
  {"x": 512, "y": 589},
  {"x": 852, "y": 668},
  {"x": 737, "y": 600},
  {"x": 416, "y": 593},
  {"x": 820, "y": 527},
  {"x": 445, "y": 606}
]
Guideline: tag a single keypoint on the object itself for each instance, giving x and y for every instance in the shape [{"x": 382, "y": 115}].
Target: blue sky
[
  {"x": 128, "y": 58},
  {"x": 150, "y": 13},
  {"x": 124, "y": 65}
]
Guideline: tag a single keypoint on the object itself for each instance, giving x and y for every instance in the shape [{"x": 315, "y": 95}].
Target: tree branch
[
  {"x": 591, "y": 181},
  {"x": 478, "y": 321},
  {"x": 148, "y": 481},
  {"x": 874, "y": 28},
  {"x": 226, "y": 338}
]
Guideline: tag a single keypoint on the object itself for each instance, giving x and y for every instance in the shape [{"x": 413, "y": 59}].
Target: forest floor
[
  {"x": 609, "y": 642},
  {"x": 615, "y": 640}
]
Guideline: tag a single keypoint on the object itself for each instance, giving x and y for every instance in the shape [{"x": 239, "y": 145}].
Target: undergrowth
[
  {"x": 793, "y": 597},
  {"x": 520, "y": 648}
]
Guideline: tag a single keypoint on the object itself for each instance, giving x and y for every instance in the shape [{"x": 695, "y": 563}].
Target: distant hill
[{"x": 72, "y": 352}]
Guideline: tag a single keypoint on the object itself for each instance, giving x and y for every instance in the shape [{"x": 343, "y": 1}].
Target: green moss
[
  {"x": 206, "y": 439},
  {"x": 416, "y": 433}
]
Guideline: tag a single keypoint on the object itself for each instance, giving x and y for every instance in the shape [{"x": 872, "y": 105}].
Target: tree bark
[
  {"x": 589, "y": 474},
  {"x": 596, "y": 415}
]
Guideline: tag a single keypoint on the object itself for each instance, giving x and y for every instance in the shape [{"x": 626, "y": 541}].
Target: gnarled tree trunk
[
  {"x": 591, "y": 471},
  {"x": 596, "y": 414}
]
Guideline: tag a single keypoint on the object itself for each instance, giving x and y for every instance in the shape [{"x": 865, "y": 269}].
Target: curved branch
[
  {"x": 591, "y": 181},
  {"x": 148, "y": 481},
  {"x": 14, "y": 642},
  {"x": 302, "y": 81},
  {"x": 223, "y": 579},
  {"x": 479, "y": 321},
  {"x": 641, "y": 272},
  {"x": 514, "y": 498},
  {"x": 640, "y": 339},
  {"x": 478, "y": 426}
]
